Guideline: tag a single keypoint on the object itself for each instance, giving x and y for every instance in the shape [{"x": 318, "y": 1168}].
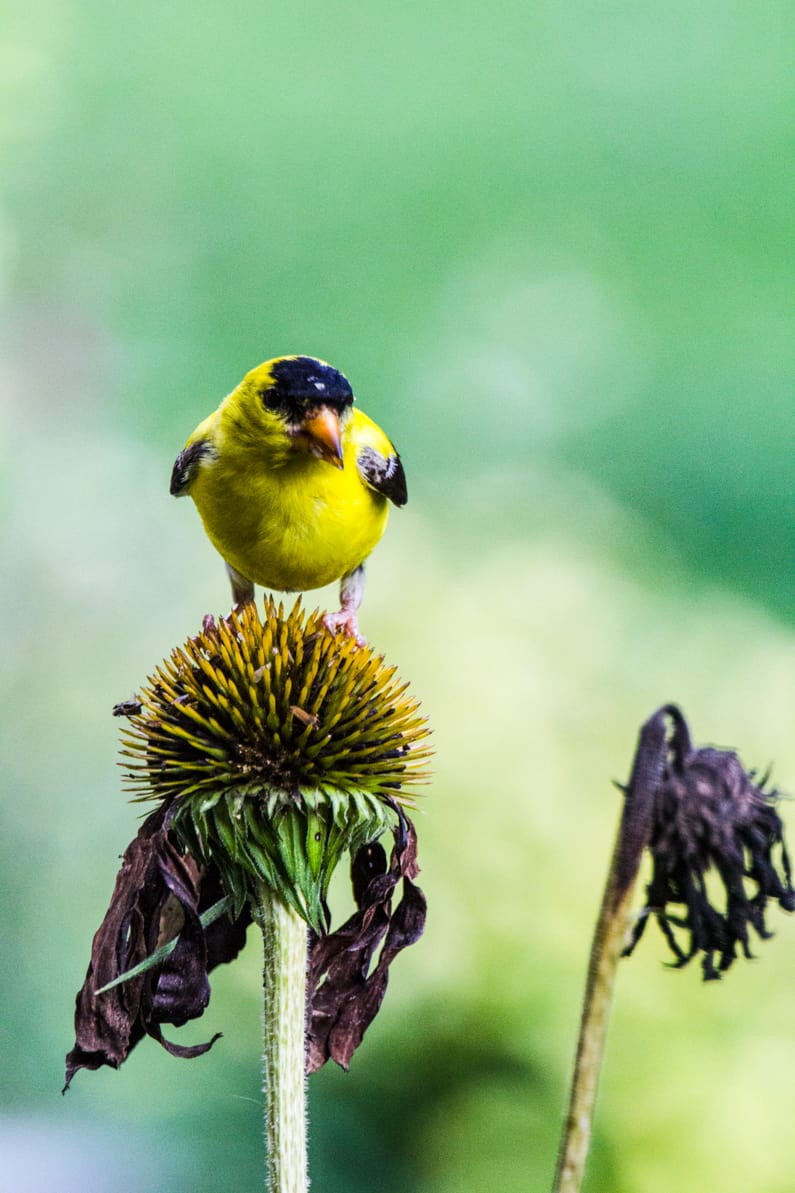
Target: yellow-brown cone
[{"x": 279, "y": 746}]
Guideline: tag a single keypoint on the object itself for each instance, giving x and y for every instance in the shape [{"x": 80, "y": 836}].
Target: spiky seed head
[{"x": 279, "y": 747}]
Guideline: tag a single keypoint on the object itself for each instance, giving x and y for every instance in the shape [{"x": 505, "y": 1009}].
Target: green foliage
[{"x": 550, "y": 246}]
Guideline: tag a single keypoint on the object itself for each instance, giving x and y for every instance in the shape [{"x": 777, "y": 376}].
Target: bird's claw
[{"x": 347, "y": 622}]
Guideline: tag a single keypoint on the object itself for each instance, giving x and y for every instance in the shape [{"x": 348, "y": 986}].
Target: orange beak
[{"x": 321, "y": 435}]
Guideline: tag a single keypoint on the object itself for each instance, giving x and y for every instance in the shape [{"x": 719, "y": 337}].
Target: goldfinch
[{"x": 292, "y": 484}]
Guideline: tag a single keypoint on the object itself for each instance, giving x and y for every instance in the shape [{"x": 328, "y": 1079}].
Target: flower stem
[
  {"x": 608, "y": 942},
  {"x": 609, "y": 939},
  {"x": 284, "y": 935}
]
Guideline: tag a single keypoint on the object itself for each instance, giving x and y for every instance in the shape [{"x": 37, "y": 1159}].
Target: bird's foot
[{"x": 347, "y": 622}]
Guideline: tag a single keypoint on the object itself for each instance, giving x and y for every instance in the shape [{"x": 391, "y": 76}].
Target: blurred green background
[{"x": 549, "y": 245}]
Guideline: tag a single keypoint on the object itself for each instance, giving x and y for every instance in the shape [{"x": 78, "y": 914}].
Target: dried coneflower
[
  {"x": 273, "y": 748},
  {"x": 707, "y": 823},
  {"x": 712, "y": 819}
]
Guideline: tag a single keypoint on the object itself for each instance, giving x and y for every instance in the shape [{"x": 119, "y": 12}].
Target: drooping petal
[
  {"x": 159, "y": 895},
  {"x": 711, "y": 816},
  {"x": 344, "y": 993}
]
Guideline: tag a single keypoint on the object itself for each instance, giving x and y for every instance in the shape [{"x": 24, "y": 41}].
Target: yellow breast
[{"x": 290, "y": 522}]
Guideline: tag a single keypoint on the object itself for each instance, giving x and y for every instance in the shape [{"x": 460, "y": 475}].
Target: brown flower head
[{"x": 718, "y": 852}]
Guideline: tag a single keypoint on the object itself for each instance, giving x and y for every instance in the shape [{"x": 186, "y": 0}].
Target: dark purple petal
[
  {"x": 344, "y": 994},
  {"x": 159, "y": 894},
  {"x": 710, "y": 815}
]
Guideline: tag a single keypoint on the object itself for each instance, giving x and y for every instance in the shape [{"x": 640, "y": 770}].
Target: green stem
[
  {"x": 609, "y": 939},
  {"x": 284, "y": 934},
  {"x": 608, "y": 943}
]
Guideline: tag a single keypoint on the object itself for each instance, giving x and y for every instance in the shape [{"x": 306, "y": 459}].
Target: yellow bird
[{"x": 292, "y": 484}]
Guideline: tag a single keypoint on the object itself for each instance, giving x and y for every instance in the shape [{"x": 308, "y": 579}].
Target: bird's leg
[
  {"x": 242, "y": 589},
  {"x": 351, "y": 593}
]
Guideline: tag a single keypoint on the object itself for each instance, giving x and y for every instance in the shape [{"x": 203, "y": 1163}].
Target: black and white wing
[
  {"x": 186, "y": 464},
  {"x": 383, "y": 473}
]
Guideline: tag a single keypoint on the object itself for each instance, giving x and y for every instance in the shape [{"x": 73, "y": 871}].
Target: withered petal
[
  {"x": 344, "y": 996},
  {"x": 709, "y": 814},
  {"x": 158, "y": 891},
  {"x": 184, "y": 1051}
]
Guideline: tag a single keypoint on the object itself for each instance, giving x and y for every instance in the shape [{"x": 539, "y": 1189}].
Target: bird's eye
[{"x": 270, "y": 397}]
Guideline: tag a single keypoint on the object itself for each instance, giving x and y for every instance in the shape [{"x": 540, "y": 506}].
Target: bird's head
[{"x": 310, "y": 399}]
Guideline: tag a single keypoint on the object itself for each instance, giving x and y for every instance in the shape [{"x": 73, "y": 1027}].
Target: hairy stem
[{"x": 284, "y": 983}]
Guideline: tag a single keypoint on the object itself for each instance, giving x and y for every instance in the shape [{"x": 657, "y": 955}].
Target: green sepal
[{"x": 292, "y": 843}]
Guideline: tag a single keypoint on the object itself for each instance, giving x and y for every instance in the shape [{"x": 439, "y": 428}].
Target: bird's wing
[
  {"x": 384, "y": 473},
  {"x": 186, "y": 465}
]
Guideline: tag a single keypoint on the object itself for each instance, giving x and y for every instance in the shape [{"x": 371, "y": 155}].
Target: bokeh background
[{"x": 548, "y": 243}]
